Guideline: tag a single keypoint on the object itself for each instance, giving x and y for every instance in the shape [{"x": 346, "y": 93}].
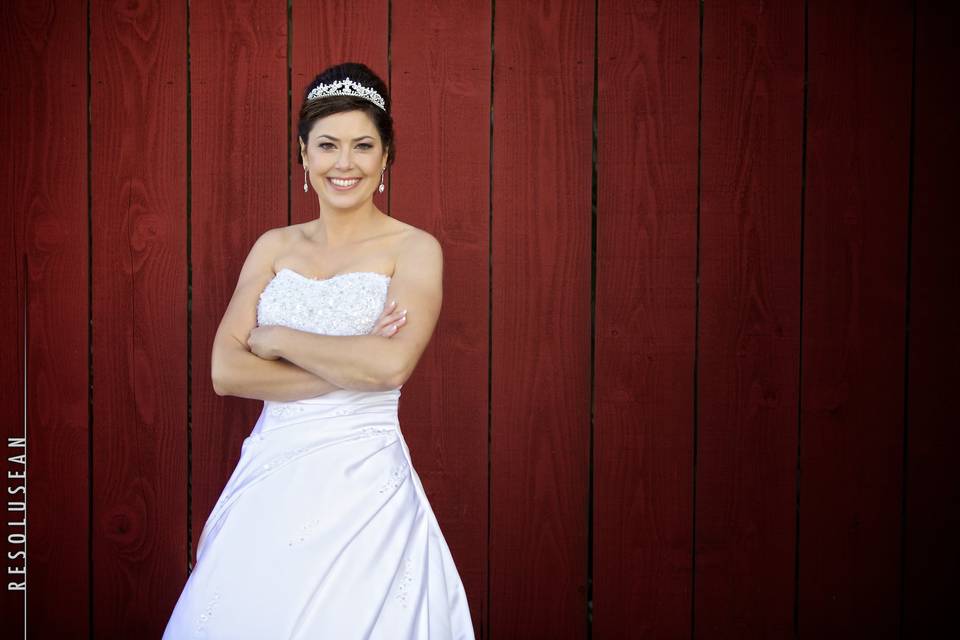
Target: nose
[{"x": 343, "y": 159}]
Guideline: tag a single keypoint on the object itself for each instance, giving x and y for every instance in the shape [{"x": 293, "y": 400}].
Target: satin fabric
[{"x": 324, "y": 531}]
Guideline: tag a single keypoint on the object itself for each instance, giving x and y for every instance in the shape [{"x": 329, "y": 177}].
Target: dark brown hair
[{"x": 313, "y": 110}]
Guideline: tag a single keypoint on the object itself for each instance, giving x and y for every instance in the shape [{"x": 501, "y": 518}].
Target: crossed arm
[
  {"x": 280, "y": 363},
  {"x": 370, "y": 362},
  {"x": 238, "y": 372}
]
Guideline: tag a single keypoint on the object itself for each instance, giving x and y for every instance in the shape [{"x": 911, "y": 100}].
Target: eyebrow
[{"x": 323, "y": 135}]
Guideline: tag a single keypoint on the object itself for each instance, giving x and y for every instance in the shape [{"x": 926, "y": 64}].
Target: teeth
[{"x": 344, "y": 183}]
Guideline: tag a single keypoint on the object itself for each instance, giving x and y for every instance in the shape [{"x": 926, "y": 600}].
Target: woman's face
[{"x": 344, "y": 157}]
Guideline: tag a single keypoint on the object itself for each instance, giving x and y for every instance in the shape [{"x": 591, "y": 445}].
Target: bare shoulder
[
  {"x": 288, "y": 233},
  {"x": 273, "y": 242},
  {"x": 419, "y": 247},
  {"x": 276, "y": 237},
  {"x": 258, "y": 267}
]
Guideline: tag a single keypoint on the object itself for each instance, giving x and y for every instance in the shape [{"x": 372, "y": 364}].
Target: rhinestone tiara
[{"x": 346, "y": 87}]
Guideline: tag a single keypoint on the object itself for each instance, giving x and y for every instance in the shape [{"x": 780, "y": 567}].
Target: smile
[{"x": 343, "y": 184}]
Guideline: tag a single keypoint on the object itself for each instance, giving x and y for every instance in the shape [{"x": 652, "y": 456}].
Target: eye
[
  {"x": 365, "y": 145},
  {"x": 325, "y": 145}
]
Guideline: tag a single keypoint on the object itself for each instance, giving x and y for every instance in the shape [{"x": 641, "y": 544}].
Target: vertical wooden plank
[
  {"x": 542, "y": 123},
  {"x": 747, "y": 368},
  {"x": 645, "y": 318},
  {"x": 238, "y": 150},
  {"x": 44, "y": 185},
  {"x": 325, "y": 34},
  {"x": 441, "y": 107},
  {"x": 932, "y": 528},
  {"x": 139, "y": 139},
  {"x": 858, "y": 123}
]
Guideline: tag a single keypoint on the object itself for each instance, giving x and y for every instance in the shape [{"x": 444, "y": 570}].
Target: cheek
[{"x": 317, "y": 160}]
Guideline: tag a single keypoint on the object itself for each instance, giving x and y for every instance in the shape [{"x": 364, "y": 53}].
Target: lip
[{"x": 338, "y": 188}]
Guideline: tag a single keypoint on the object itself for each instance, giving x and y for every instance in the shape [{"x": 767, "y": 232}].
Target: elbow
[
  {"x": 223, "y": 364},
  {"x": 218, "y": 375},
  {"x": 394, "y": 378},
  {"x": 389, "y": 384},
  {"x": 219, "y": 388},
  {"x": 401, "y": 365}
]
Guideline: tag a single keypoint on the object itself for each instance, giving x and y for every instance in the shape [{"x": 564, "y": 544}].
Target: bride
[{"x": 324, "y": 529}]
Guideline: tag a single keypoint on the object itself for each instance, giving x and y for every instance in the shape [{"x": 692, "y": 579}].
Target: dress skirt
[{"x": 324, "y": 531}]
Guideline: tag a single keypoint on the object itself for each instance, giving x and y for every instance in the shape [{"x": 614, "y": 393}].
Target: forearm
[
  {"x": 364, "y": 362},
  {"x": 246, "y": 375}
]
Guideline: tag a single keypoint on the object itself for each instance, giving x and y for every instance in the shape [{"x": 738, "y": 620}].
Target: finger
[
  {"x": 393, "y": 328},
  {"x": 387, "y": 314},
  {"x": 384, "y": 322},
  {"x": 388, "y": 319},
  {"x": 396, "y": 315},
  {"x": 381, "y": 328}
]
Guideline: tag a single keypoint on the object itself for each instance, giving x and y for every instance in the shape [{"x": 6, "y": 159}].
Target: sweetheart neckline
[{"x": 333, "y": 277}]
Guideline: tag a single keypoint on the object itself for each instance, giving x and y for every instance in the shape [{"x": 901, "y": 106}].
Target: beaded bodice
[{"x": 346, "y": 304}]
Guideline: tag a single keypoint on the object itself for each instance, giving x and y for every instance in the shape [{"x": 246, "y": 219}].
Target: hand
[
  {"x": 262, "y": 341},
  {"x": 390, "y": 320}
]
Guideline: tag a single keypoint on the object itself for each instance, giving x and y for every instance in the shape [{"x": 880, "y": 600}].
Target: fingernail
[
  {"x": 404, "y": 312},
  {"x": 393, "y": 304}
]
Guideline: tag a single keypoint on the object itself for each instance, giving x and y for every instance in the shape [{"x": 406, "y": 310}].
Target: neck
[{"x": 336, "y": 226}]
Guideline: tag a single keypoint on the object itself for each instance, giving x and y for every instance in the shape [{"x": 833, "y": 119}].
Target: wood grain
[
  {"x": 855, "y": 221},
  {"x": 646, "y": 258},
  {"x": 541, "y": 226},
  {"x": 43, "y": 353},
  {"x": 748, "y": 338},
  {"x": 138, "y": 137},
  {"x": 757, "y": 356}
]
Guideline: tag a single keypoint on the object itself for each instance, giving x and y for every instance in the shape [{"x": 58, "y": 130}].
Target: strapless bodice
[{"x": 346, "y": 304}]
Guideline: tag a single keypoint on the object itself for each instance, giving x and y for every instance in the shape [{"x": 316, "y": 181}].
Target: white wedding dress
[{"x": 324, "y": 531}]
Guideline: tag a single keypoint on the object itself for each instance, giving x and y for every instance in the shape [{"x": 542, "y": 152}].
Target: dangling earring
[
  {"x": 305, "y": 187},
  {"x": 381, "y": 180}
]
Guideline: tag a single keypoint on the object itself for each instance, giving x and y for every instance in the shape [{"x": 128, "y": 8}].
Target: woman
[{"x": 324, "y": 530}]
